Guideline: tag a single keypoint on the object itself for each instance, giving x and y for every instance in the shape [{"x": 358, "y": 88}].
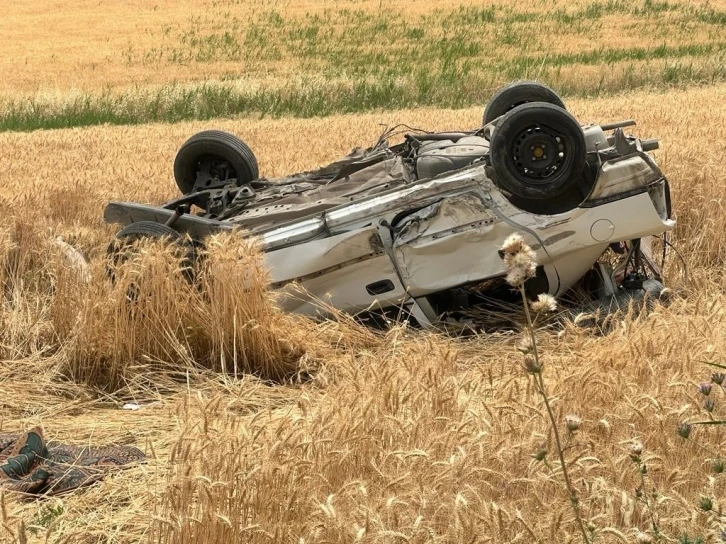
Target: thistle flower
[
  {"x": 540, "y": 454},
  {"x": 544, "y": 303},
  {"x": 573, "y": 422},
  {"x": 525, "y": 345},
  {"x": 520, "y": 262},
  {"x": 684, "y": 429},
  {"x": 709, "y": 404},
  {"x": 530, "y": 365},
  {"x": 705, "y": 504},
  {"x": 636, "y": 449},
  {"x": 705, "y": 388},
  {"x": 718, "y": 466},
  {"x": 718, "y": 378},
  {"x": 514, "y": 243}
]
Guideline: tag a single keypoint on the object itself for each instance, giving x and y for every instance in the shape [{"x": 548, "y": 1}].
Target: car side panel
[
  {"x": 345, "y": 289},
  {"x": 432, "y": 259},
  {"x": 336, "y": 270}
]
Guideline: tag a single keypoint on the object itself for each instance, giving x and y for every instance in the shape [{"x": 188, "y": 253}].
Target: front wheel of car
[
  {"x": 211, "y": 158},
  {"x": 537, "y": 151}
]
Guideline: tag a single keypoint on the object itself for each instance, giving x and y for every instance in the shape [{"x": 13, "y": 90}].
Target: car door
[
  {"x": 351, "y": 271},
  {"x": 449, "y": 243}
]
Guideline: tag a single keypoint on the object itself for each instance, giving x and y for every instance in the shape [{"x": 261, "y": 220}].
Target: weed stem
[{"x": 542, "y": 391}]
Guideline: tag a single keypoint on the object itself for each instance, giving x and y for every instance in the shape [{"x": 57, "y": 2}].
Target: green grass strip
[{"x": 450, "y": 86}]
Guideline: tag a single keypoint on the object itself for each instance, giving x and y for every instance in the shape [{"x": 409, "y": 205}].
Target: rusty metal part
[
  {"x": 618, "y": 124},
  {"x": 181, "y": 210}
]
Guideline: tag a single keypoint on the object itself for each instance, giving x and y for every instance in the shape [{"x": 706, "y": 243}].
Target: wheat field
[
  {"x": 86, "y": 63},
  {"x": 261, "y": 426},
  {"x": 87, "y": 45},
  {"x": 398, "y": 436}
]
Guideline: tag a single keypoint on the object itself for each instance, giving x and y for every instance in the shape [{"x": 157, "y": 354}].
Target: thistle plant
[
  {"x": 708, "y": 391},
  {"x": 642, "y": 493},
  {"x": 520, "y": 264}
]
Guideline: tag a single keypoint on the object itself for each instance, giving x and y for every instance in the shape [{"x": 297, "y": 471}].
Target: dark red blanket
[{"x": 30, "y": 465}]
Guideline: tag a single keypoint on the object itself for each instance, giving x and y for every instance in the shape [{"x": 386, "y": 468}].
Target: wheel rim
[
  {"x": 212, "y": 169},
  {"x": 539, "y": 153},
  {"x": 512, "y": 106}
]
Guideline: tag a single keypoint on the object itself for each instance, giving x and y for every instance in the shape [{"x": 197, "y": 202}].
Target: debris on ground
[{"x": 30, "y": 465}]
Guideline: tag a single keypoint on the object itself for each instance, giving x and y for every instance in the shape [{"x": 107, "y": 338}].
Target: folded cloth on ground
[{"x": 30, "y": 465}]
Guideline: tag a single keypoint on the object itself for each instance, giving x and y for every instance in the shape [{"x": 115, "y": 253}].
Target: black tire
[
  {"x": 149, "y": 229},
  {"x": 537, "y": 151},
  {"x": 227, "y": 156},
  {"x": 515, "y": 94}
]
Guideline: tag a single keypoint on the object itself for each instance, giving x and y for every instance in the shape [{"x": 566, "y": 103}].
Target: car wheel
[
  {"x": 213, "y": 157},
  {"x": 537, "y": 151},
  {"x": 518, "y": 93},
  {"x": 119, "y": 249}
]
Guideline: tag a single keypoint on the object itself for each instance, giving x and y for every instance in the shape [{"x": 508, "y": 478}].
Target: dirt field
[{"x": 398, "y": 437}]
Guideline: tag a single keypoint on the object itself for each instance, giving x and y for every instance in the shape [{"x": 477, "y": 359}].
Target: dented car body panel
[
  {"x": 450, "y": 241},
  {"x": 381, "y": 236}
]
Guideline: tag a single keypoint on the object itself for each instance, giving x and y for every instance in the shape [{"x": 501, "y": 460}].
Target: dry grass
[{"x": 403, "y": 436}]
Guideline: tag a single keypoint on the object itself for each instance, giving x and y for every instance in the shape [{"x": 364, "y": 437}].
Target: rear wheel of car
[
  {"x": 537, "y": 151},
  {"x": 119, "y": 249},
  {"x": 213, "y": 157},
  {"x": 515, "y": 94}
]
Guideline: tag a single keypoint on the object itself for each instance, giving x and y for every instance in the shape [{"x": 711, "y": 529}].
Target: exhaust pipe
[
  {"x": 618, "y": 124},
  {"x": 649, "y": 145}
]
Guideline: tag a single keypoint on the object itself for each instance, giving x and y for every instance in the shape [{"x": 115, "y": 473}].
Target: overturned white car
[{"x": 415, "y": 227}]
